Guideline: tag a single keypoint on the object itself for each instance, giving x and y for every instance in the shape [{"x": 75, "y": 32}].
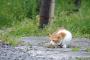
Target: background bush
[{"x": 18, "y": 18}]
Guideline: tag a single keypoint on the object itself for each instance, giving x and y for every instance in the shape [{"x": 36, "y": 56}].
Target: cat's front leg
[{"x": 64, "y": 46}]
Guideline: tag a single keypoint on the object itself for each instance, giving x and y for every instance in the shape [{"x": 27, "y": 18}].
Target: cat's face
[{"x": 56, "y": 38}]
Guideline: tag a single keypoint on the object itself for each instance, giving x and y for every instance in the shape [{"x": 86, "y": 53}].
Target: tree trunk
[
  {"x": 46, "y": 12},
  {"x": 52, "y": 8},
  {"x": 77, "y": 4}
]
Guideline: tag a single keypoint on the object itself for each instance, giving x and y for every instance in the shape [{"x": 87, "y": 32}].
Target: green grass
[
  {"x": 8, "y": 39},
  {"x": 75, "y": 49},
  {"x": 88, "y": 50},
  {"x": 19, "y": 18}
]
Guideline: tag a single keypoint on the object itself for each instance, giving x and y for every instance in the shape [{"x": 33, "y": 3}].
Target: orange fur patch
[
  {"x": 57, "y": 37},
  {"x": 62, "y": 34}
]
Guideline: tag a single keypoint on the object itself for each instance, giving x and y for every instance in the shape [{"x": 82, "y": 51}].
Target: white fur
[{"x": 66, "y": 40}]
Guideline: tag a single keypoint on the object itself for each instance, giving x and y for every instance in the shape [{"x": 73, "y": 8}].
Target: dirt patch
[
  {"x": 40, "y": 50},
  {"x": 37, "y": 50}
]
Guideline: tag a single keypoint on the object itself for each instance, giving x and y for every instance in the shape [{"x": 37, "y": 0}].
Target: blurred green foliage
[
  {"x": 19, "y": 18},
  {"x": 13, "y": 11}
]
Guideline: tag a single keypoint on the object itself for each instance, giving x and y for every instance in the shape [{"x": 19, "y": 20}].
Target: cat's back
[{"x": 68, "y": 34}]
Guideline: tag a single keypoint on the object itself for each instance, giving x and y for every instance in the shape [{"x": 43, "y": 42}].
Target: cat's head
[{"x": 56, "y": 38}]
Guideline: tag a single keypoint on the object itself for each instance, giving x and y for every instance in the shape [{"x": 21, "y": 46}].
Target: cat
[{"x": 61, "y": 38}]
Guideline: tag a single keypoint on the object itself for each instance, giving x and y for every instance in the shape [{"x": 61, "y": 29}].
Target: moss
[{"x": 75, "y": 49}]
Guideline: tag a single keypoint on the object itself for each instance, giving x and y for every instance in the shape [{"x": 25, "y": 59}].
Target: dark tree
[
  {"x": 46, "y": 10},
  {"x": 77, "y": 4}
]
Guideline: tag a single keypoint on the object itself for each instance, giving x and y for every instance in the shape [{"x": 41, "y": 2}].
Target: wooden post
[
  {"x": 46, "y": 12},
  {"x": 52, "y": 8}
]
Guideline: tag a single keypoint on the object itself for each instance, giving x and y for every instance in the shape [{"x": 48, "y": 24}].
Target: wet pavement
[{"x": 38, "y": 50}]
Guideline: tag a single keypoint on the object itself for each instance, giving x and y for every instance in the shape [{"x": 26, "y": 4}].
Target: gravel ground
[{"x": 39, "y": 51}]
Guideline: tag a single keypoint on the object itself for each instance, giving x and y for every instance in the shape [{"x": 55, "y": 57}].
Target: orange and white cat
[{"x": 61, "y": 37}]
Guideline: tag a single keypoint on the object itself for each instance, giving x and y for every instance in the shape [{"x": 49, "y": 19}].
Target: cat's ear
[{"x": 49, "y": 34}]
